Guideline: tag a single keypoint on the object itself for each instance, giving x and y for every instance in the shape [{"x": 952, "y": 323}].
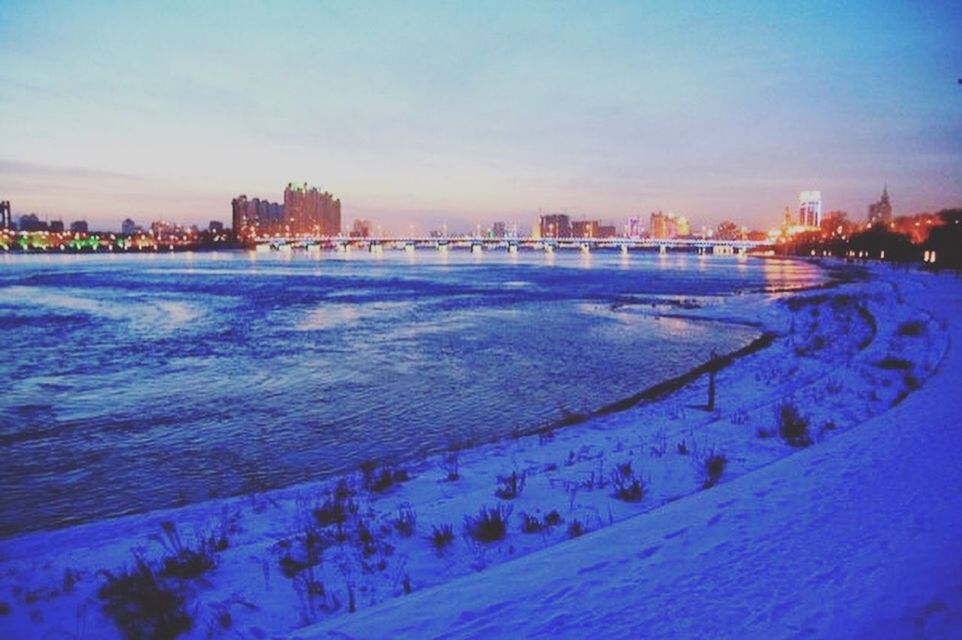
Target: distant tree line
[{"x": 899, "y": 241}]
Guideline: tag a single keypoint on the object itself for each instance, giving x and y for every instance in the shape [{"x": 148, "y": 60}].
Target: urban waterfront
[{"x": 143, "y": 382}]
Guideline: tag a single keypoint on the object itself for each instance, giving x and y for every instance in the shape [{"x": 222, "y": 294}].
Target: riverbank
[
  {"x": 312, "y": 553},
  {"x": 857, "y": 536}
]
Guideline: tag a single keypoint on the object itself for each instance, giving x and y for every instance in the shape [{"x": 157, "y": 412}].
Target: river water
[{"x": 132, "y": 383}]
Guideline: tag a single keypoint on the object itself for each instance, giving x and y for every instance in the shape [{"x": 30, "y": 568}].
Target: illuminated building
[
  {"x": 810, "y": 209},
  {"x": 6, "y": 218},
  {"x": 308, "y": 211},
  {"x": 164, "y": 231},
  {"x": 665, "y": 226},
  {"x": 881, "y": 211},
  {"x": 555, "y": 225},
  {"x": 257, "y": 217},
  {"x": 683, "y": 229},
  {"x": 659, "y": 226},
  {"x": 584, "y": 228}
]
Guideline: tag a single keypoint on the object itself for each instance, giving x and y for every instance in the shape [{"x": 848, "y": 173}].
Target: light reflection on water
[{"x": 136, "y": 381}]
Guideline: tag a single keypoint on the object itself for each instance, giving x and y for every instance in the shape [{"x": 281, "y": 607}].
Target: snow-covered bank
[
  {"x": 311, "y": 553},
  {"x": 857, "y": 537}
]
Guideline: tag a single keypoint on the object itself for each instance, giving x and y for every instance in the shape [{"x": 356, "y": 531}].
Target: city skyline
[{"x": 425, "y": 114}]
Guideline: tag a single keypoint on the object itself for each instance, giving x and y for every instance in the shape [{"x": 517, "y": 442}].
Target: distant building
[
  {"x": 555, "y": 225},
  {"x": 634, "y": 228},
  {"x": 584, "y": 228},
  {"x": 810, "y": 209},
  {"x": 79, "y": 226},
  {"x": 308, "y": 211},
  {"x": 215, "y": 226},
  {"x": 607, "y": 231},
  {"x": 30, "y": 222},
  {"x": 55, "y": 226},
  {"x": 682, "y": 228},
  {"x": 128, "y": 227},
  {"x": 361, "y": 229},
  {"x": 499, "y": 230},
  {"x": 665, "y": 226},
  {"x": 881, "y": 211},
  {"x": 6, "y": 218},
  {"x": 252, "y": 218},
  {"x": 165, "y": 231},
  {"x": 659, "y": 226}
]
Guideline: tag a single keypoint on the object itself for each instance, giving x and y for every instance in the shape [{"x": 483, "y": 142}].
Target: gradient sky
[{"x": 423, "y": 113}]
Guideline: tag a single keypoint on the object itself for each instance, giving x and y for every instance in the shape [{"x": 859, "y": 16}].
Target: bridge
[{"x": 511, "y": 245}]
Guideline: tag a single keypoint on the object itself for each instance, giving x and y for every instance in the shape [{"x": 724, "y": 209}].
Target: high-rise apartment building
[
  {"x": 252, "y": 218},
  {"x": 810, "y": 209},
  {"x": 308, "y": 211},
  {"x": 881, "y": 211}
]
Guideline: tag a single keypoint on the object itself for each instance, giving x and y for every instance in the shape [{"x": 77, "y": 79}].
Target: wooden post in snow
[{"x": 713, "y": 367}]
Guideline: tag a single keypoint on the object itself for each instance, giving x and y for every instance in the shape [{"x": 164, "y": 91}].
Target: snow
[{"x": 857, "y": 535}]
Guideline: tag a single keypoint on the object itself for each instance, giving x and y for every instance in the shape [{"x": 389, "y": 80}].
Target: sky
[{"x": 418, "y": 114}]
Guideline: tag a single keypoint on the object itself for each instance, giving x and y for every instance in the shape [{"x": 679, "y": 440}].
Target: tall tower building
[
  {"x": 6, "y": 218},
  {"x": 310, "y": 212},
  {"x": 810, "y": 208},
  {"x": 881, "y": 211},
  {"x": 658, "y": 226},
  {"x": 243, "y": 223}
]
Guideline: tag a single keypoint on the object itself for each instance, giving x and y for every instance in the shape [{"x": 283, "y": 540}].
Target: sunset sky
[{"x": 464, "y": 113}]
